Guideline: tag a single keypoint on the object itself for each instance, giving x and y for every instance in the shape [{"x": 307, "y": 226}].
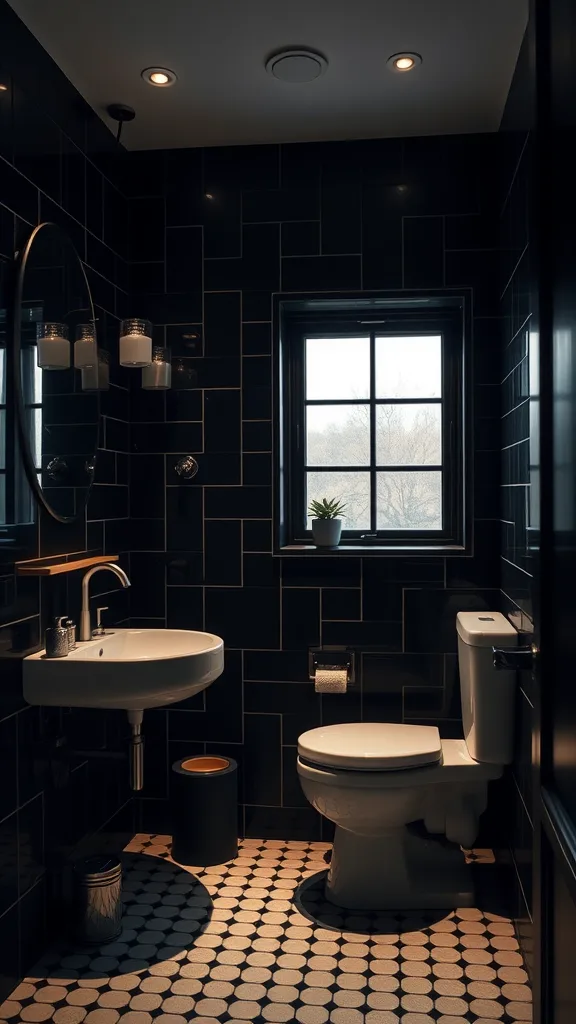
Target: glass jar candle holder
[
  {"x": 85, "y": 347},
  {"x": 97, "y": 378},
  {"x": 158, "y": 375},
  {"x": 135, "y": 343},
  {"x": 53, "y": 346}
]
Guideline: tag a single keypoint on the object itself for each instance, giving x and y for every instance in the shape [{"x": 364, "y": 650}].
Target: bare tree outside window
[{"x": 346, "y": 426}]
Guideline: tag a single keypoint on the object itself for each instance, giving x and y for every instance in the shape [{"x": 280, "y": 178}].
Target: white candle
[
  {"x": 85, "y": 353},
  {"x": 135, "y": 350},
  {"x": 157, "y": 375},
  {"x": 54, "y": 353}
]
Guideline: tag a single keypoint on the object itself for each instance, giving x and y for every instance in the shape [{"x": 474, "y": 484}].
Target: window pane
[
  {"x": 337, "y": 368},
  {"x": 409, "y": 500},
  {"x": 408, "y": 435},
  {"x": 351, "y": 488},
  {"x": 338, "y": 435},
  {"x": 409, "y": 367}
]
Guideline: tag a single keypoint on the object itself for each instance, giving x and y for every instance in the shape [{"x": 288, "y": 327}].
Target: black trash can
[
  {"x": 204, "y": 803},
  {"x": 96, "y": 899}
]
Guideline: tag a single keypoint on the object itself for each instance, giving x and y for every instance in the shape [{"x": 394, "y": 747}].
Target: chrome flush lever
[{"x": 515, "y": 659}]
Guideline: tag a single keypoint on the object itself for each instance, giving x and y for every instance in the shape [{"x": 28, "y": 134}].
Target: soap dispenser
[{"x": 57, "y": 638}]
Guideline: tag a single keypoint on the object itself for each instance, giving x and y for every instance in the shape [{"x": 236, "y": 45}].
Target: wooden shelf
[{"x": 41, "y": 567}]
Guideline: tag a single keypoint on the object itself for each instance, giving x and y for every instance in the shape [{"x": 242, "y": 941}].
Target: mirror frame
[{"x": 22, "y": 258}]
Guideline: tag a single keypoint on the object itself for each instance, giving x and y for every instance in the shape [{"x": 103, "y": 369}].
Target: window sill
[{"x": 378, "y": 550}]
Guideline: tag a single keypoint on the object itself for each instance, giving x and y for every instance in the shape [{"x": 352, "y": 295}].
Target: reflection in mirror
[{"x": 57, "y": 414}]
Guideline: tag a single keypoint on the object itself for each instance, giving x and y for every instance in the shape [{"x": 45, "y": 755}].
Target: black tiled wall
[
  {"x": 520, "y": 462},
  {"x": 57, "y": 162},
  {"x": 213, "y": 234}
]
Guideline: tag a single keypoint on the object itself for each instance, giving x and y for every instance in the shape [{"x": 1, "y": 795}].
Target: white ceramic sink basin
[{"x": 129, "y": 669}]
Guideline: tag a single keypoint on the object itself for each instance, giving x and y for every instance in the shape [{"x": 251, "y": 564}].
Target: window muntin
[{"x": 373, "y": 429}]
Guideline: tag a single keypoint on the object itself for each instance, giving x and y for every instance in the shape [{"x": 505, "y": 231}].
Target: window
[{"x": 371, "y": 414}]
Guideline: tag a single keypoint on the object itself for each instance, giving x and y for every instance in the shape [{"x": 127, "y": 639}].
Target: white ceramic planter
[{"x": 326, "y": 532}]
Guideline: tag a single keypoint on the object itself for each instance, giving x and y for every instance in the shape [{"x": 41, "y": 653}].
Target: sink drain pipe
[{"x": 136, "y": 751}]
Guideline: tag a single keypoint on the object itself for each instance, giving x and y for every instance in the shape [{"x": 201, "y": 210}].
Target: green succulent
[{"x": 326, "y": 509}]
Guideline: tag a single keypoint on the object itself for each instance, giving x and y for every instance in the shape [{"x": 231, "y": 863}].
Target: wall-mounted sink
[{"x": 129, "y": 669}]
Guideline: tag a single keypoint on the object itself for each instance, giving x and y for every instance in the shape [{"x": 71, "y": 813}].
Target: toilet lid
[{"x": 371, "y": 746}]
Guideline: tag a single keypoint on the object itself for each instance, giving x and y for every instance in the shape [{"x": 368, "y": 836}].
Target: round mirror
[{"x": 57, "y": 372}]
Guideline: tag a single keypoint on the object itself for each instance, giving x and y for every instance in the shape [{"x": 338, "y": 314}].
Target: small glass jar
[
  {"x": 135, "y": 343},
  {"x": 158, "y": 376},
  {"x": 53, "y": 346},
  {"x": 97, "y": 378},
  {"x": 85, "y": 347}
]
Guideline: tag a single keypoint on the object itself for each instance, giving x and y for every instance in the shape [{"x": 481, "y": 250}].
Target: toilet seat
[{"x": 371, "y": 746}]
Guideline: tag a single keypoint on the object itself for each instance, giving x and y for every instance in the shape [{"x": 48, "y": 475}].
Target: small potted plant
[{"x": 326, "y": 524}]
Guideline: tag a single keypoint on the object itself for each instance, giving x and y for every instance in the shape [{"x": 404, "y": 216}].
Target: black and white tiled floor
[{"x": 254, "y": 940}]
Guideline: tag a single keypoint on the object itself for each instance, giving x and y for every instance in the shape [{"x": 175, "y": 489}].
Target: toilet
[{"x": 374, "y": 780}]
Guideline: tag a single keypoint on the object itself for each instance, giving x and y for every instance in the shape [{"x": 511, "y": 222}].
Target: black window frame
[{"x": 297, "y": 319}]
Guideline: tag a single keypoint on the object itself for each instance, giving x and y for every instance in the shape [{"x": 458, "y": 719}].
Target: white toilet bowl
[{"x": 371, "y": 796}]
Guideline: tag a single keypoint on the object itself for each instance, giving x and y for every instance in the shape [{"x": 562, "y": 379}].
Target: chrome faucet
[{"x": 85, "y": 629}]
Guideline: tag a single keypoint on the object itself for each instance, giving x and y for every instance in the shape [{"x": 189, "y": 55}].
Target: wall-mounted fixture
[
  {"x": 158, "y": 375},
  {"x": 53, "y": 346},
  {"x": 296, "y": 66},
  {"x": 120, "y": 113},
  {"x": 85, "y": 347},
  {"x": 135, "y": 343},
  {"x": 187, "y": 467},
  {"x": 403, "y": 62},
  {"x": 162, "y": 78}
]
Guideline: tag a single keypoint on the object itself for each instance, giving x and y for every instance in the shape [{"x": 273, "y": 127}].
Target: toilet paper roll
[{"x": 330, "y": 680}]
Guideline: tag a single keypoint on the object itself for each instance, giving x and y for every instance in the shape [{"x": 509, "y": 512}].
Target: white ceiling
[{"x": 224, "y": 96}]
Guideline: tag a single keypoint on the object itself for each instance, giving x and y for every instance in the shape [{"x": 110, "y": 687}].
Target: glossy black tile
[
  {"x": 10, "y": 966},
  {"x": 222, "y": 323},
  {"x": 146, "y": 486},
  {"x": 257, "y": 436},
  {"x": 341, "y": 226},
  {"x": 321, "y": 273},
  {"x": 281, "y": 666},
  {"x": 256, "y": 401},
  {"x": 238, "y": 502},
  {"x": 256, "y": 339},
  {"x": 423, "y": 252},
  {"x": 184, "y": 528},
  {"x": 300, "y": 618},
  {"x": 257, "y": 535},
  {"x": 297, "y": 703},
  {"x": 339, "y": 603},
  {"x": 301, "y": 238},
  {"x": 222, "y": 421},
  {"x": 184, "y": 608},
  {"x": 280, "y": 205},
  {"x": 166, "y": 437},
  {"x": 321, "y": 572},
  {"x": 385, "y": 635},
  {"x": 8, "y": 765},
  {"x": 146, "y": 229},
  {"x": 259, "y": 570},
  {"x": 257, "y": 468},
  {"x": 223, "y": 553},
  {"x": 184, "y": 568},
  {"x": 148, "y": 579},
  {"x": 31, "y": 858},
  {"x": 262, "y": 759},
  {"x": 247, "y": 617}
]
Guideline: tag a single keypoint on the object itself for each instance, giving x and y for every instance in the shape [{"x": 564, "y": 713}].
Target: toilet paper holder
[{"x": 332, "y": 657}]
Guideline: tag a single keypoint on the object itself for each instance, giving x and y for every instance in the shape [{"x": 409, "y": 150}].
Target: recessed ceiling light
[
  {"x": 404, "y": 61},
  {"x": 160, "y": 77},
  {"x": 296, "y": 66},
  {"x": 3, "y": 88}
]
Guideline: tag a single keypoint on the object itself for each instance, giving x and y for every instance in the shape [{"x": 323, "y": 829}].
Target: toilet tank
[{"x": 488, "y": 695}]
